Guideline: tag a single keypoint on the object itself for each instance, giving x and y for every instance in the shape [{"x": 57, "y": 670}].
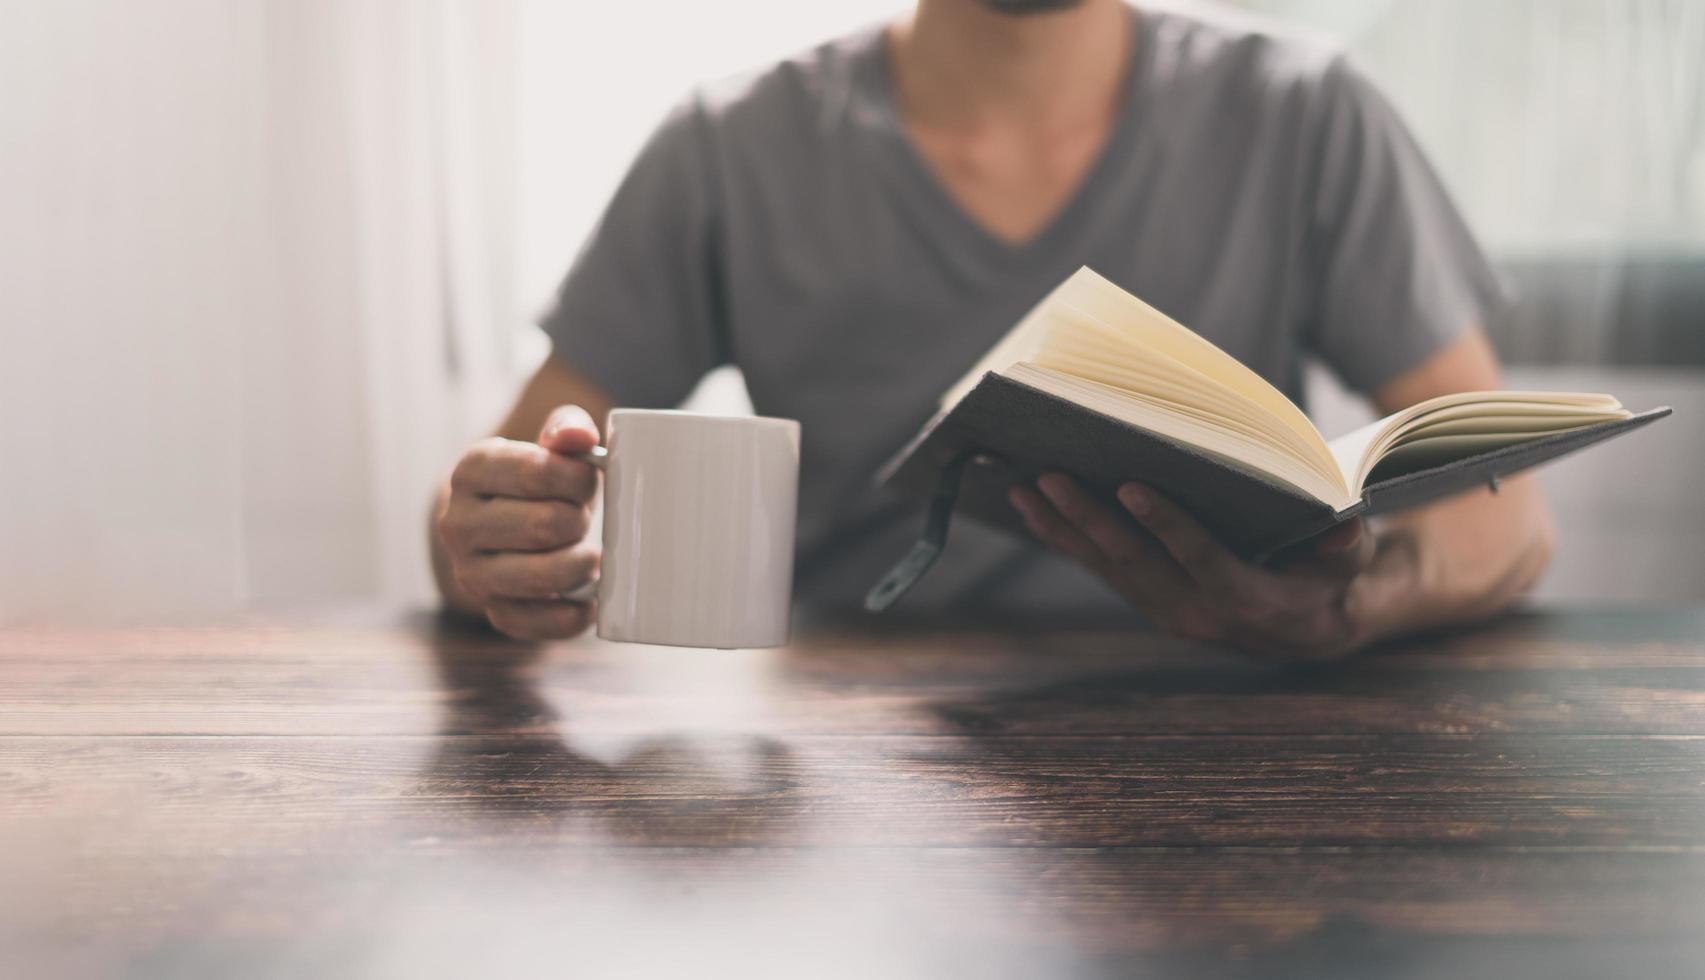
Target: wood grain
[
  {"x": 683, "y": 789},
  {"x": 395, "y": 796},
  {"x": 770, "y": 697},
  {"x": 1521, "y": 675}
]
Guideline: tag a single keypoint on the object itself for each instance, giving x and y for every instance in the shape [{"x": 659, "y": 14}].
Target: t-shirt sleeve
[
  {"x": 637, "y": 313},
  {"x": 1398, "y": 274}
]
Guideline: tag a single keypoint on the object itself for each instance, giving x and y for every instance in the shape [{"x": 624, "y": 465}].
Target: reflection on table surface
[{"x": 410, "y": 797}]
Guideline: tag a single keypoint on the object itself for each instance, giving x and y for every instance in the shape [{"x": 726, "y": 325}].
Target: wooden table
[{"x": 407, "y": 798}]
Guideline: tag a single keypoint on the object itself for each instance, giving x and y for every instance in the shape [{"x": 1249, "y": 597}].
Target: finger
[
  {"x": 511, "y": 524},
  {"x": 539, "y": 620},
  {"x": 506, "y": 468},
  {"x": 1052, "y": 529},
  {"x": 1113, "y": 534},
  {"x": 530, "y": 575},
  {"x": 568, "y": 429},
  {"x": 1345, "y": 551},
  {"x": 1196, "y": 550},
  {"x": 1136, "y": 563}
]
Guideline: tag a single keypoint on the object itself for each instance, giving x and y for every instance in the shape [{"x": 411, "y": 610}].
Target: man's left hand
[{"x": 1174, "y": 571}]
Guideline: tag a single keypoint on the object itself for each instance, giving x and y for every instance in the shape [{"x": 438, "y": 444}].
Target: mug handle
[{"x": 598, "y": 458}]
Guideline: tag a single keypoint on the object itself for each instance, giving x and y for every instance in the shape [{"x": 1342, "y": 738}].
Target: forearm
[{"x": 1457, "y": 561}]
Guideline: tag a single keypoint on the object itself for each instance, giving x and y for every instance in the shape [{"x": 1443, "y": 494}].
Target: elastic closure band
[{"x": 908, "y": 570}]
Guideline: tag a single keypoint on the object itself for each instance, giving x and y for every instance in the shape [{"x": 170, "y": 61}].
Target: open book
[{"x": 1096, "y": 383}]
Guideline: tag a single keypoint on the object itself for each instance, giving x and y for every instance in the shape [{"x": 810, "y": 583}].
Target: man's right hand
[{"x": 514, "y": 526}]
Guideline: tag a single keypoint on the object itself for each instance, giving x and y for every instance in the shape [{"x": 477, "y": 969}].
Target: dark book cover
[{"x": 1006, "y": 431}]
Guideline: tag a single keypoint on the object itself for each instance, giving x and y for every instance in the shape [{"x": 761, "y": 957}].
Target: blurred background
[{"x": 267, "y": 265}]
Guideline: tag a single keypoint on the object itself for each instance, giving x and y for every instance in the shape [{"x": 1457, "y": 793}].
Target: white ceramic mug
[{"x": 699, "y": 514}]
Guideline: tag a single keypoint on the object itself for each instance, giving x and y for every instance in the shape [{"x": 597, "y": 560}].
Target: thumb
[{"x": 568, "y": 429}]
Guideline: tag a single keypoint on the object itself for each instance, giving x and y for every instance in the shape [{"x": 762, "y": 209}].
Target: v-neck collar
[{"x": 926, "y": 189}]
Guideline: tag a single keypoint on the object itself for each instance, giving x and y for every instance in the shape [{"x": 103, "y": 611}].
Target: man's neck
[{"x": 959, "y": 64}]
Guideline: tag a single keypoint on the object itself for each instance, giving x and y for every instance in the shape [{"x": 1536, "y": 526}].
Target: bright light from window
[{"x": 597, "y": 77}]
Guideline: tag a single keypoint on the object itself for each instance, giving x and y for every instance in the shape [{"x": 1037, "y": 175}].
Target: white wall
[
  {"x": 124, "y": 300},
  {"x": 223, "y": 231}
]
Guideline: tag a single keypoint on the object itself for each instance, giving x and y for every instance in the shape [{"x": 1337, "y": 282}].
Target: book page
[
  {"x": 1453, "y": 426},
  {"x": 1091, "y": 328},
  {"x": 1094, "y": 343},
  {"x": 1244, "y": 450},
  {"x": 1154, "y": 330}
]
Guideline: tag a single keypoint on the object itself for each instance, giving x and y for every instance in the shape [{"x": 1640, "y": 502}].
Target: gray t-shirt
[{"x": 1254, "y": 187}]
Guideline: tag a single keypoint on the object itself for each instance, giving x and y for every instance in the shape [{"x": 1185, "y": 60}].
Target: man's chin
[{"x": 1020, "y": 8}]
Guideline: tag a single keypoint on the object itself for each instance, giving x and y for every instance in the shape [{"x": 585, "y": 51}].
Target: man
[{"x": 853, "y": 228}]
